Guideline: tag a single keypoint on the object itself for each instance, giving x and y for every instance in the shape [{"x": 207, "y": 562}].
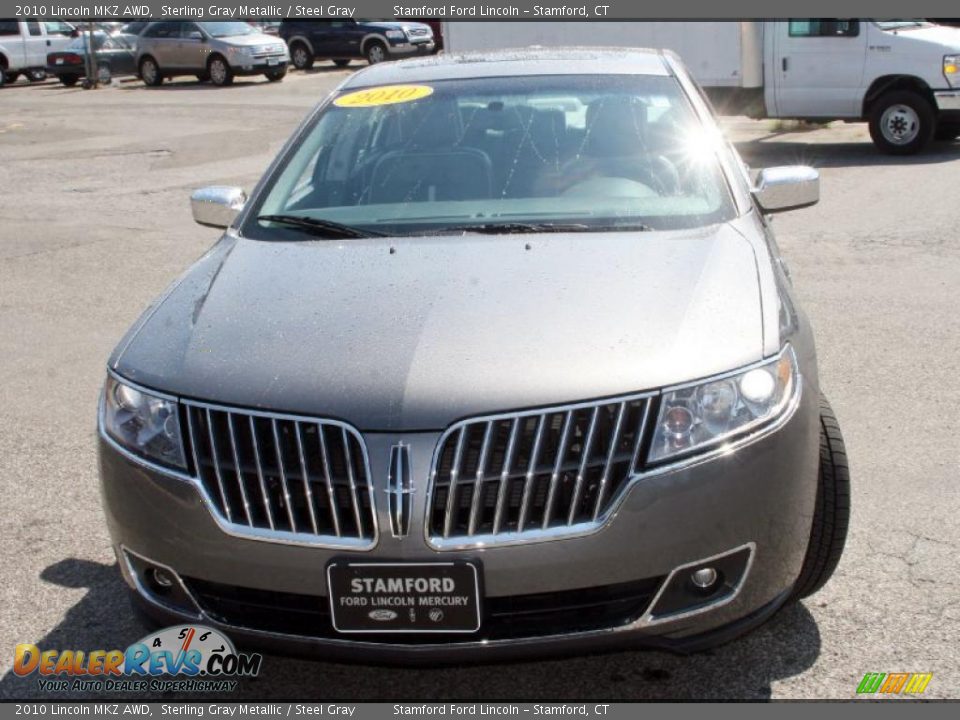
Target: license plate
[
  {"x": 442, "y": 597},
  {"x": 59, "y": 61},
  {"x": 273, "y": 61}
]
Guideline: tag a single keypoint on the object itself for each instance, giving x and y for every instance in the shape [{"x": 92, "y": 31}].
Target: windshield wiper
[
  {"x": 510, "y": 228},
  {"x": 318, "y": 227}
]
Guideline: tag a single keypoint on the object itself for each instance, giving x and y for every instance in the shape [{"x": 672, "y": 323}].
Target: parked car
[
  {"x": 214, "y": 51},
  {"x": 344, "y": 40},
  {"x": 500, "y": 358},
  {"x": 24, "y": 45},
  {"x": 115, "y": 55},
  {"x": 436, "y": 27}
]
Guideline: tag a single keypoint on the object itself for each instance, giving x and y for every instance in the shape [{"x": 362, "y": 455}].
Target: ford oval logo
[{"x": 382, "y": 615}]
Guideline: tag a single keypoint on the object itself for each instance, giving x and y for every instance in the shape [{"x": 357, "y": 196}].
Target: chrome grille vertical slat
[
  {"x": 284, "y": 486},
  {"x": 352, "y": 480},
  {"x": 531, "y": 474},
  {"x": 328, "y": 478},
  {"x": 555, "y": 476},
  {"x": 505, "y": 475},
  {"x": 584, "y": 461},
  {"x": 477, "y": 499},
  {"x": 452, "y": 489},
  {"x": 546, "y": 473},
  {"x": 263, "y": 483},
  {"x": 605, "y": 476},
  {"x": 215, "y": 457},
  {"x": 238, "y": 469},
  {"x": 308, "y": 492}
]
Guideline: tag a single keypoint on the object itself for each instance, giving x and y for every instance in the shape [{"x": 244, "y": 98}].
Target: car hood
[
  {"x": 414, "y": 333},
  {"x": 942, "y": 36},
  {"x": 251, "y": 39}
]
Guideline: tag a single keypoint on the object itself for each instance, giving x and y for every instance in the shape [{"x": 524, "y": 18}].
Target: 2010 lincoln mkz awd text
[{"x": 500, "y": 358}]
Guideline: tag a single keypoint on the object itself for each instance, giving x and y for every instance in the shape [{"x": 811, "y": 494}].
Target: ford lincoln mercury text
[{"x": 499, "y": 358}]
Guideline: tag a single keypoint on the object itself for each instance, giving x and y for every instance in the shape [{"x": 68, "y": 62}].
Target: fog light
[
  {"x": 161, "y": 578},
  {"x": 704, "y": 578}
]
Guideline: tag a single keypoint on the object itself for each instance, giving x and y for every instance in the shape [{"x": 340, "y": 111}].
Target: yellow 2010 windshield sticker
[{"x": 385, "y": 95}]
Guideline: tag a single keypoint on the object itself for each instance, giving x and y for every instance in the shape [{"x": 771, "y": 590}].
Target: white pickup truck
[
  {"x": 24, "y": 45},
  {"x": 903, "y": 76}
]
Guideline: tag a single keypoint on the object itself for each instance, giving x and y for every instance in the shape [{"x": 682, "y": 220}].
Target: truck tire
[
  {"x": 36, "y": 75},
  {"x": 11, "y": 77},
  {"x": 376, "y": 52},
  {"x": 831, "y": 515},
  {"x": 947, "y": 131},
  {"x": 301, "y": 56},
  {"x": 150, "y": 72},
  {"x": 902, "y": 122}
]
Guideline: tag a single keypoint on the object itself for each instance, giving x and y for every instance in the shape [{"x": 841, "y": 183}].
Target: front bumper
[
  {"x": 761, "y": 495},
  {"x": 947, "y": 100},
  {"x": 260, "y": 65},
  {"x": 416, "y": 48}
]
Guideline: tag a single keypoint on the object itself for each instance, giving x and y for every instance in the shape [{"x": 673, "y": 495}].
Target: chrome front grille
[
  {"x": 282, "y": 477},
  {"x": 532, "y": 475}
]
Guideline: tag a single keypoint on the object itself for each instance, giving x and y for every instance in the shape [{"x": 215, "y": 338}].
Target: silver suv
[{"x": 214, "y": 51}]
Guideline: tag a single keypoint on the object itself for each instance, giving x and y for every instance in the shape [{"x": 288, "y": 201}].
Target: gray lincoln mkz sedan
[{"x": 499, "y": 358}]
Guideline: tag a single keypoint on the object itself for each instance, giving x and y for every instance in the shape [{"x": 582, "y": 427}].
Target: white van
[
  {"x": 903, "y": 76},
  {"x": 24, "y": 45}
]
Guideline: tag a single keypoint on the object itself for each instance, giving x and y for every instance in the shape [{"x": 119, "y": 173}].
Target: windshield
[
  {"x": 228, "y": 29},
  {"x": 590, "y": 151},
  {"x": 900, "y": 24}
]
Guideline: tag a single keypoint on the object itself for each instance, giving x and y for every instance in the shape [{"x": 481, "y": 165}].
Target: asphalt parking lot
[{"x": 95, "y": 222}]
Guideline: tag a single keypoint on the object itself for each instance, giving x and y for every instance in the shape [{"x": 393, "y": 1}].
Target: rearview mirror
[
  {"x": 787, "y": 188},
  {"x": 217, "y": 206}
]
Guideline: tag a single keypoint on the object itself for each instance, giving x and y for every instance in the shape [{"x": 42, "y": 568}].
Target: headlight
[
  {"x": 951, "y": 69},
  {"x": 704, "y": 414},
  {"x": 144, "y": 424},
  {"x": 396, "y": 35}
]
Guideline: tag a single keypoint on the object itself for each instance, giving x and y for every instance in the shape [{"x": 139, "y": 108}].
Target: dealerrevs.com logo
[{"x": 182, "y": 658}]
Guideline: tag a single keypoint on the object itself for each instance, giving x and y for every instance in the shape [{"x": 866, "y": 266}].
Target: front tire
[
  {"x": 276, "y": 75},
  {"x": 301, "y": 57},
  {"x": 220, "y": 71},
  {"x": 831, "y": 515},
  {"x": 902, "y": 122},
  {"x": 376, "y": 52},
  {"x": 150, "y": 72}
]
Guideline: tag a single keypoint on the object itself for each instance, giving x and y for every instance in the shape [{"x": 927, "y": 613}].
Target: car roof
[{"x": 517, "y": 62}]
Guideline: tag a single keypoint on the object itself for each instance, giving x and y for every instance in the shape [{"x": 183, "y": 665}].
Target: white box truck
[
  {"x": 903, "y": 77},
  {"x": 24, "y": 45}
]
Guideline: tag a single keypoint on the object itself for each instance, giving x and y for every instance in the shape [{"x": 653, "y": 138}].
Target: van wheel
[
  {"x": 376, "y": 52},
  {"x": 150, "y": 72},
  {"x": 901, "y": 122},
  {"x": 301, "y": 56},
  {"x": 221, "y": 74},
  {"x": 947, "y": 131},
  {"x": 341, "y": 62},
  {"x": 831, "y": 515}
]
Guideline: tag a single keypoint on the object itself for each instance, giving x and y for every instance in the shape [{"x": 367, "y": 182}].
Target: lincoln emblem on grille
[{"x": 399, "y": 490}]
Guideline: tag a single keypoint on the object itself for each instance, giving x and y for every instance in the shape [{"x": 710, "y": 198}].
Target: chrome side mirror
[
  {"x": 787, "y": 188},
  {"x": 217, "y": 206}
]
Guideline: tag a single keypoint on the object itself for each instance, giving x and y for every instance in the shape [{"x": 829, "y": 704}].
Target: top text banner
[{"x": 518, "y": 10}]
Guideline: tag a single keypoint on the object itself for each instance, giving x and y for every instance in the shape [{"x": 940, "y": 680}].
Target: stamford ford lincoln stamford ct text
[{"x": 499, "y": 358}]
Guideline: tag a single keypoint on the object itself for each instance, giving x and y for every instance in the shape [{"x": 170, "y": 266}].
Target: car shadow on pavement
[
  {"x": 769, "y": 151},
  {"x": 747, "y": 668}
]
